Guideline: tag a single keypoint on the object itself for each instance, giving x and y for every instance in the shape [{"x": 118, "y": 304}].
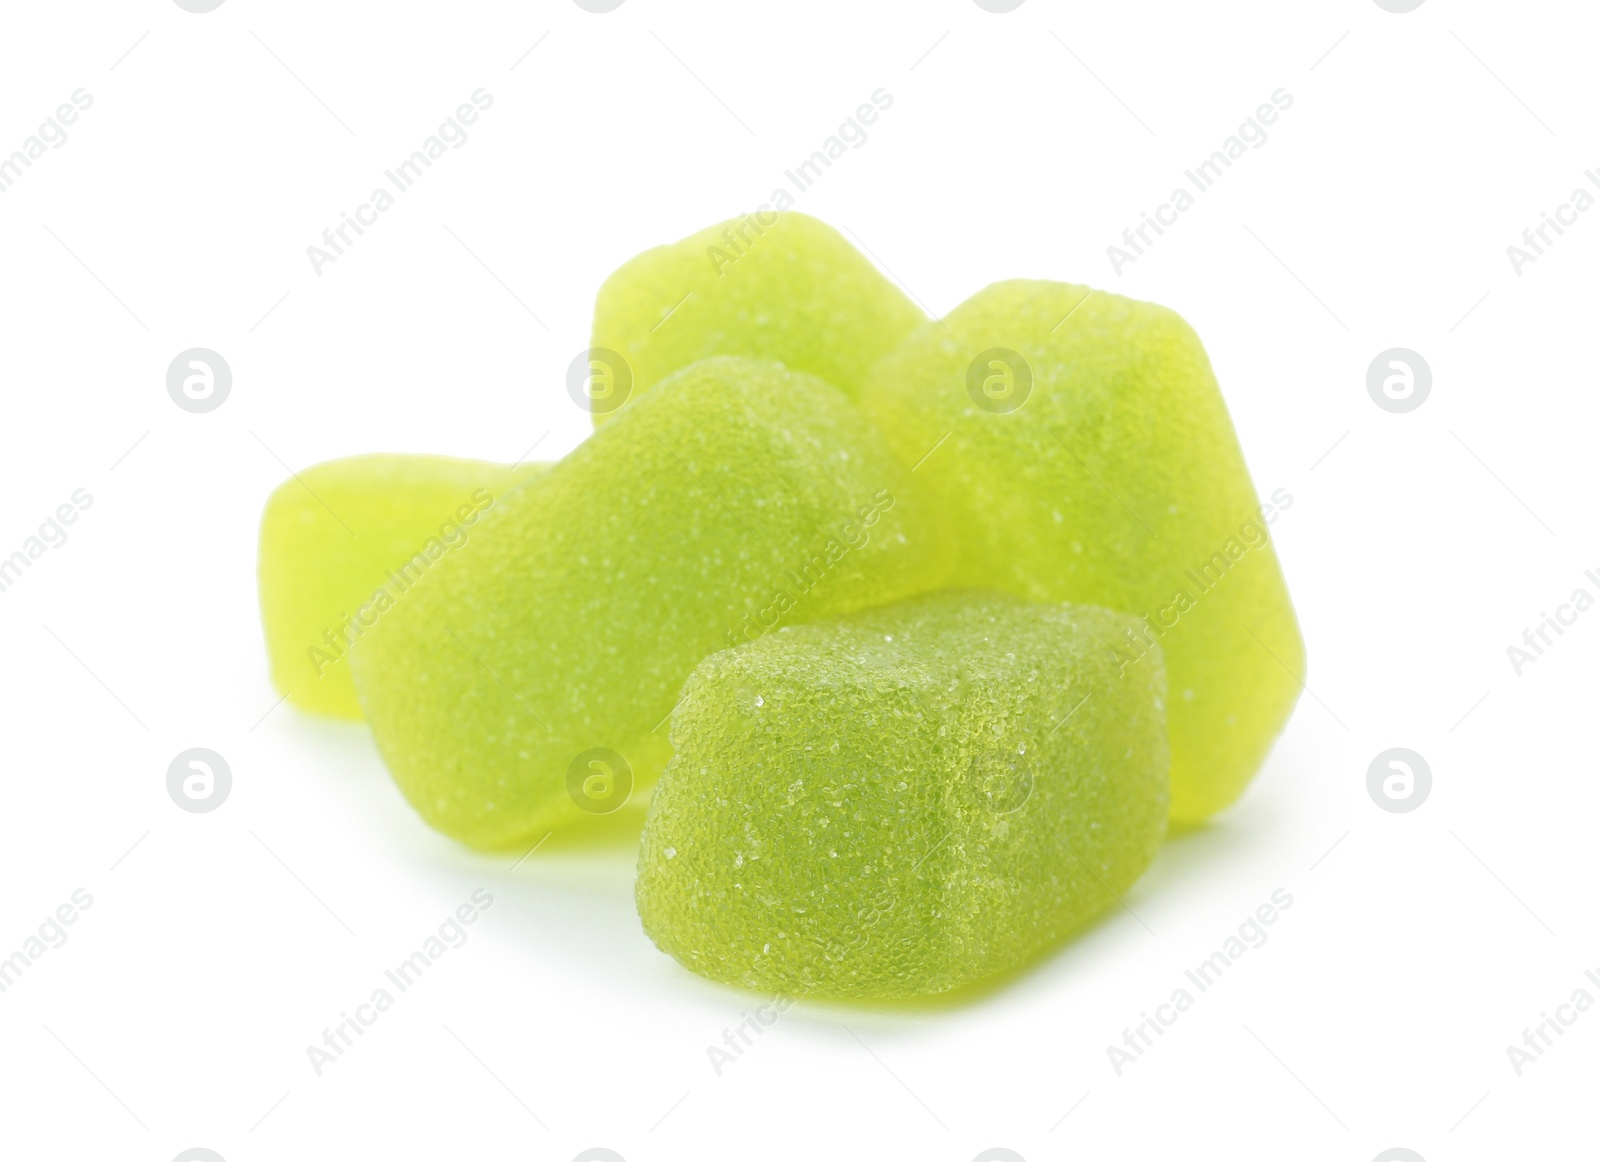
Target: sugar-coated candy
[
  {"x": 771, "y": 285},
  {"x": 344, "y": 539},
  {"x": 1078, "y": 443},
  {"x": 526, "y": 680},
  {"x": 906, "y": 800}
]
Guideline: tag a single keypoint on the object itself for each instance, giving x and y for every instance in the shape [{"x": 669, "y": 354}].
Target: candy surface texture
[
  {"x": 777, "y": 286},
  {"x": 1080, "y": 447},
  {"x": 527, "y": 680},
  {"x": 344, "y": 539},
  {"x": 904, "y": 801}
]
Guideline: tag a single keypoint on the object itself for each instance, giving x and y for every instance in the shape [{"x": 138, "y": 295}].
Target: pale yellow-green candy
[
  {"x": 906, "y": 800},
  {"x": 771, "y": 285},
  {"x": 1080, "y": 447},
  {"x": 525, "y": 681},
  {"x": 343, "y": 540}
]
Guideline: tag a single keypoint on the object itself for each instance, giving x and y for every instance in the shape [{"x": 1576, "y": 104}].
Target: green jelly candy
[
  {"x": 779, "y": 286},
  {"x": 341, "y": 541},
  {"x": 907, "y": 800},
  {"x": 526, "y": 681},
  {"x": 1079, "y": 444}
]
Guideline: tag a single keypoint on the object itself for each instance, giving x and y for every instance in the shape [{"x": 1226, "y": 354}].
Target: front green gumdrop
[
  {"x": 907, "y": 800},
  {"x": 342, "y": 540},
  {"x": 1080, "y": 446},
  {"x": 527, "y": 680},
  {"x": 771, "y": 285}
]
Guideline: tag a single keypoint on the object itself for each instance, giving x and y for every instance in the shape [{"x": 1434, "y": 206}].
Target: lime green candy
[
  {"x": 1101, "y": 467},
  {"x": 904, "y": 801},
  {"x": 522, "y": 682},
  {"x": 771, "y": 285},
  {"x": 343, "y": 540}
]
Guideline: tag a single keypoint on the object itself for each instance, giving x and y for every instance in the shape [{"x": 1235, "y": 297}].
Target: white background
[{"x": 219, "y": 946}]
